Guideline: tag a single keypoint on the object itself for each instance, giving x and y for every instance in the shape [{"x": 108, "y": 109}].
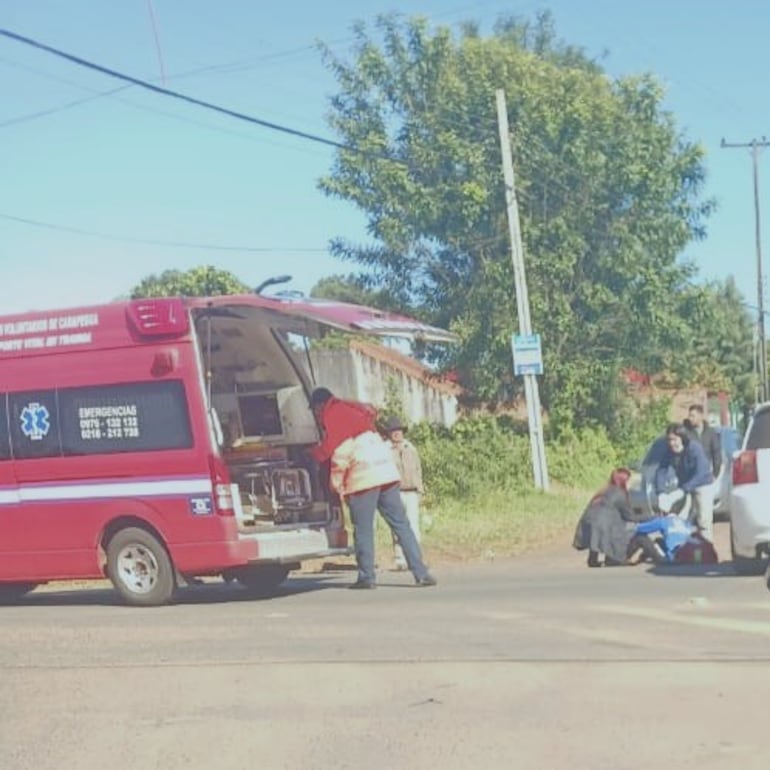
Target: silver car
[{"x": 644, "y": 497}]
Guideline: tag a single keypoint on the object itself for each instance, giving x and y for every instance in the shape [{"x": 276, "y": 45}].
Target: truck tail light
[
  {"x": 223, "y": 493},
  {"x": 745, "y": 468}
]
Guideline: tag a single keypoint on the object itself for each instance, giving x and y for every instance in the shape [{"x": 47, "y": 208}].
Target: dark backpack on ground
[{"x": 696, "y": 550}]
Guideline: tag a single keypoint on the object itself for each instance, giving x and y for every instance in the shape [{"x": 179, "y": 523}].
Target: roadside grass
[
  {"x": 499, "y": 525},
  {"x": 502, "y": 524}
]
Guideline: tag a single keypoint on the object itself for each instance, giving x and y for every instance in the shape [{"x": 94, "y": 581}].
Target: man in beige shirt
[{"x": 409, "y": 467}]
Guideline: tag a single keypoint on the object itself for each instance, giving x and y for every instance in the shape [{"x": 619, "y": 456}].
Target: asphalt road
[{"x": 530, "y": 663}]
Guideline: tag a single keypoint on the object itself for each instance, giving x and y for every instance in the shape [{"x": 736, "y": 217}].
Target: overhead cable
[
  {"x": 151, "y": 242},
  {"x": 189, "y": 99}
]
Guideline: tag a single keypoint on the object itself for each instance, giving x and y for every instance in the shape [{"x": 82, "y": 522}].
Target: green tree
[
  {"x": 356, "y": 289},
  {"x": 204, "y": 281},
  {"x": 608, "y": 189},
  {"x": 344, "y": 288},
  {"x": 720, "y": 353}
]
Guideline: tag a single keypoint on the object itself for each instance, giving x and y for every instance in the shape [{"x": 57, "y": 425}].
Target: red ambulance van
[{"x": 153, "y": 441}]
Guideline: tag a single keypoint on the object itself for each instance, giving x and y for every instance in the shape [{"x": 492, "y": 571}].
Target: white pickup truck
[{"x": 750, "y": 497}]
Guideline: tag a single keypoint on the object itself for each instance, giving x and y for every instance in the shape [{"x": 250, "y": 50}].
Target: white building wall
[{"x": 353, "y": 374}]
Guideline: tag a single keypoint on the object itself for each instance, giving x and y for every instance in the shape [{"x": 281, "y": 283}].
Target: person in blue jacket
[
  {"x": 691, "y": 467},
  {"x": 659, "y": 538}
]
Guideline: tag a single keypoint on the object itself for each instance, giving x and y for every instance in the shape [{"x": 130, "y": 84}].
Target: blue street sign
[{"x": 527, "y": 354}]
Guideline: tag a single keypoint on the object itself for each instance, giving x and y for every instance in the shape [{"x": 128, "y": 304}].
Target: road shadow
[
  {"x": 195, "y": 594},
  {"x": 723, "y": 569}
]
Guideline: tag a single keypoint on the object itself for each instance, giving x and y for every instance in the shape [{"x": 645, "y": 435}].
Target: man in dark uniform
[
  {"x": 699, "y": 430},
  {"x": 708, "y": 438}
]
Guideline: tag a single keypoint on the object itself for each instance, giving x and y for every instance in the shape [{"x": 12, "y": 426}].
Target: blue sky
[{"x": 139, "y": 165}]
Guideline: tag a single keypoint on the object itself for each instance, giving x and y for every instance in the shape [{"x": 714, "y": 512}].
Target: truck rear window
[
  {"x": 759, "y": 435},
  {"x": 101, "y": 419}
]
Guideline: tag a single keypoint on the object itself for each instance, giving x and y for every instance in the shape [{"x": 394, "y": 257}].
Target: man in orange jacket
[{"x": 365, "y": 475}]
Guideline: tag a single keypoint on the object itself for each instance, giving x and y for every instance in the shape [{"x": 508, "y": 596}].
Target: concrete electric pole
[
  {"x": 531, "y": 391},
  {"x": 764, "y": 390}
]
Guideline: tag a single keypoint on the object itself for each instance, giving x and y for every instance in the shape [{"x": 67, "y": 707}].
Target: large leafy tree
[
  {"x": 355, "y": 289},
  {"x": 204, "y": 281},
  {"x": 608, "y": 191},
  {"x": 720, "y": 353}
]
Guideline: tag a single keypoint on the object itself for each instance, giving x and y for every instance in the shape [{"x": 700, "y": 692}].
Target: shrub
[
  {"x": 641, "y": 424},
  {"x": 471, "y": 459},
  {"x": 582, "y": 459},
  {"x": 482, "y": 454}
]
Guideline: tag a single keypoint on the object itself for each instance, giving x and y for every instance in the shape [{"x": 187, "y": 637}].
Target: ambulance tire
[
  {"x": 12, "y": 592},
  {"x": 140, "y": 568},
  {"x": 261, "y": 579}
]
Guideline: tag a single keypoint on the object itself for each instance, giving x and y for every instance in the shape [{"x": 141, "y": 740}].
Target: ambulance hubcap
[{"x": 138, "y": 569}]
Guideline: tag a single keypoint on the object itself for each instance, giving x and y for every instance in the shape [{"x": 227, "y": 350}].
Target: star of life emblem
[{"x": 35, "y": 421}]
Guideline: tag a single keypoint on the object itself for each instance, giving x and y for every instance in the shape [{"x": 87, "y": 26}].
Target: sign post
[{"x": 527, "y": 354}]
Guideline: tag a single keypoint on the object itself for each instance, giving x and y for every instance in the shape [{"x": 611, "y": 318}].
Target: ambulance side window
[
  {"x": 130, "y": 417},
  {"x": 5, "y": 439},
  {"x": 98, "y": 419}
]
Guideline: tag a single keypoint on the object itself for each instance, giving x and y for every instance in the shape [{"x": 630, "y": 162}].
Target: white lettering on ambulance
[
  {"x": 75, "y": 339},
  {"x": 109, "y": 422},
  {"x": 8, "y": 345},
  {"x": 20, "y": 332},
  {"x": 13, "y": 328},
  {"x": 78, "y": 321},
  {"x": 125, "y": 410}
]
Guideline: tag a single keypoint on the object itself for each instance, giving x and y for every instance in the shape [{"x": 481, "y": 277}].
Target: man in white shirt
[{"x": 408, "y": 462}]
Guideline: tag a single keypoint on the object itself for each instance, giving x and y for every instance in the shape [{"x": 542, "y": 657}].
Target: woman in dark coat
[{"x": 608, "y": 523}]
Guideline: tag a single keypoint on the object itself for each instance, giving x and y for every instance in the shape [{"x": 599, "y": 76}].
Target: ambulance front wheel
[{"x": 140, "y": 568}]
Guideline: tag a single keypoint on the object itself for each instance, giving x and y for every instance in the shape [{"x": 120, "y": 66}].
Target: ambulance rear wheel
[{"x": 140, "y": 568}]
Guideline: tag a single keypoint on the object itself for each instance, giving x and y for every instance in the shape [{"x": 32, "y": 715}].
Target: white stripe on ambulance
[{"x": 120, "y": 489}]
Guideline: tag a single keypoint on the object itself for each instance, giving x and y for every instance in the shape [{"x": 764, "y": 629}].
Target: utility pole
[
  {"x": 531, "y": 391},
  {"x": 755, "y": 145}
]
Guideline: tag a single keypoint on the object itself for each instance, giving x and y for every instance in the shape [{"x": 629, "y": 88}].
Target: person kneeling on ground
[
  {"x": 670, "y": 537},
  {"x": 608, "y": 523},
  {"x": 364, "y": 474}
]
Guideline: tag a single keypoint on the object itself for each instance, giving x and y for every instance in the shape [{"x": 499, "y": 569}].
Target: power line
[
  {"x": 135, "y": 105},
  {"x": 232, "y": 67},
  {"x": 228, "y": 68},
  {"x": 719, "y": 97},
  {"x": 756, "y": 146},
  {"x": 189, "y": 99},
  {"x": 113, "y": 93},
  {"x": 163, "y": 91},
  {"x": 53, "y": 110},
  {"x": 204, "y": 70},
  {"x": 466, "y": 244},
  {"x": 156, "y": 36},
  {"x": 151, "y": 242},
  {"x": 59, "y": 107}
]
